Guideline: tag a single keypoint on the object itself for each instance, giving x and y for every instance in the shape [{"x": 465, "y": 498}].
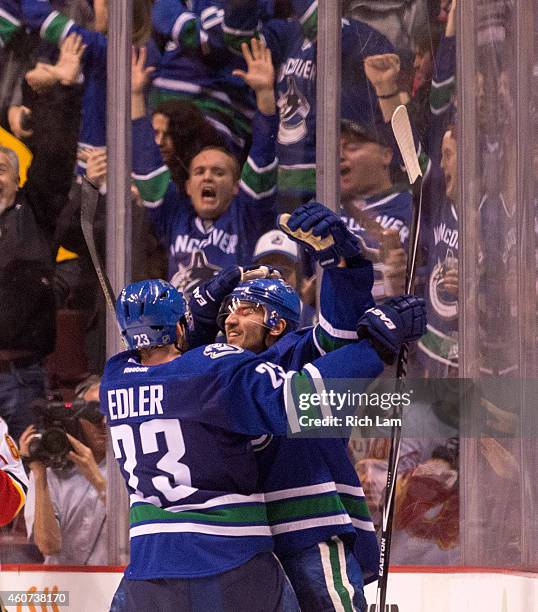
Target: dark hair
[
  {"x": 141, "y": 21},
  {"x": 427, "y": 37},
  {"x": 190, "y": 132}
]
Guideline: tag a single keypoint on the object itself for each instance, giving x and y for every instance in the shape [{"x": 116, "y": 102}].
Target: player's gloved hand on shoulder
[
  {"x": 322, "y": 232},
  {"x": 399, "y": 320}
]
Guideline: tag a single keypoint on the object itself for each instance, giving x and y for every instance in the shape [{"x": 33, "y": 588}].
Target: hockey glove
[
  {"x": 207, "y": 297},
  {"x": 321, "y": 232},
  {"x": 388, "y": 326}
]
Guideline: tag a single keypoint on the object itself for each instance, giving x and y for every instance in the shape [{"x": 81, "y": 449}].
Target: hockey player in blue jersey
[
  {"x": 323, "y": 533},
  {"x": 215, "y": 219},
  {"x": 200, "y": 538}
]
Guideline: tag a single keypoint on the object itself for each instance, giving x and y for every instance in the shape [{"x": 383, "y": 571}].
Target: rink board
[{"x": 416, "y": 589}]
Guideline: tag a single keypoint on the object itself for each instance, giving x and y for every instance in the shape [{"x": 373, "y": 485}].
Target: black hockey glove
[{"x": 399, "y": 320}]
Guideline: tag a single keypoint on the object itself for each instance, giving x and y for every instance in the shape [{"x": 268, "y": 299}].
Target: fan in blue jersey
[
  {"x": 10, "y": 20},
  {"x": 293, "y": 43},
  {"x": 323, "y": 533},
  {"x": 439, "y": 346},
  {"x": 373, "y": 207},
  {"x": 216, "y": 217},
  {"x": 200, "y": 537}
]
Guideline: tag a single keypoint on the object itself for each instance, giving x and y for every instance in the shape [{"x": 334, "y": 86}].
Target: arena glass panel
[
  {"x": 417, "y": 70},
  {"x": 53, "y": 99},
  {"x": 498, "y": 324}
]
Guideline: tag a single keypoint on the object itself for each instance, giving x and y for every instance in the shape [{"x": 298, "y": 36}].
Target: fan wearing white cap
[{"x": 276, "y": 250}]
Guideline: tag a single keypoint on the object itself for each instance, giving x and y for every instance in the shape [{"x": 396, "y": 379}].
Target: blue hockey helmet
[
  {"x": 147, "y": 312},
  {"x": 279, "y": 299}
]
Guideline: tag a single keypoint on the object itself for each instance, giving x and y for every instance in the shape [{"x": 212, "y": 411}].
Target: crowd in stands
[{"x": 223, "y": 103}]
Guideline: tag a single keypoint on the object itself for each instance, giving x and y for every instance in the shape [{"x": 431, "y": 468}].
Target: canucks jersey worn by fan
[
  {"x": 13, "y": 479},
  {"x": 293, "y": 47},
  {"x": 440, "y": 343},
  {"x": 197, "y": 67},
  {"x": 369, "y": 217},
  {"x": 54, "y": 27},
  {"x": 198, "y": 248},
  {"x": 197, "y": 513}
]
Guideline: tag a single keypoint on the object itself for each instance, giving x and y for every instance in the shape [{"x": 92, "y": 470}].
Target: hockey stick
[
  {"x": 89, "y": 199},
  {"x": 404, "y": 137}
]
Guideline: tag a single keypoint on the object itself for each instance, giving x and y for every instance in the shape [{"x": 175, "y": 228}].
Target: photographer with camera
[{"x": 65, "y": 511}]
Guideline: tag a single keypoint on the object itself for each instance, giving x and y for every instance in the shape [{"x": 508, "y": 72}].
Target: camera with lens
[{"x": 56, "y": 419}]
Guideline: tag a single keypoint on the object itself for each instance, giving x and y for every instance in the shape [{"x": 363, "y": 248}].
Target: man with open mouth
[{"x": 214, "y": 219}]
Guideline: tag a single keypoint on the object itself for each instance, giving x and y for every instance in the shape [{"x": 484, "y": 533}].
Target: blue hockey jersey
[
  {"x": 440, "y": 343},
  {"x": 181, "y": 435},
  {"x": 293, "y": 46},
  {"x": 196, "y": 249},
  {"x": 312, "y": 490},
  {"x": 391, "y": 211}
]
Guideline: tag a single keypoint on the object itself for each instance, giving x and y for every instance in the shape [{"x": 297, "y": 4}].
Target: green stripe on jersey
[
  {"x": 310, "y": 26},
  {"x": 232, "y": 118},
  {"x": 154, "y": 188},
  {"x": 327, "y": 342},
  {"x": 307, "y": 507},
  {"x": 252, "y": 513},
  {"x": 338, "y": 582},
  {"x": 259, "y": 182},
  {"x": 355, "y": 506},
  {"x": 234, "y": 41},
  {"x": 7, "y": 29},
  {"x": 54, "y": 30},
  {"x": 302, "y": 385},
  {"x": 440, "y": 95},
  {"x": 296, "y": 179},
  {"x": 189, "y": 36}
]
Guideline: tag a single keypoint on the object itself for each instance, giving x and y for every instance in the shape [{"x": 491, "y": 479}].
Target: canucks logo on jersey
[
  {"x": 196, "y": 272},
  {"x": 445, "y": 303},
  {"x": 294, "y": 108},
  {"x": 221, "y": 349}
]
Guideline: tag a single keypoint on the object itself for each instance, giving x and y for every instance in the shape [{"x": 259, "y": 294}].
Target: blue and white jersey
[
  {"x": 440, "y": 235},
  {"x": 312, "y": 490},
  {"x": 182, "y": 437},
  {"x": 389, "y": 211},
  {"x": 293, "y": 46},
  {"x": 197, "y": 249}
]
